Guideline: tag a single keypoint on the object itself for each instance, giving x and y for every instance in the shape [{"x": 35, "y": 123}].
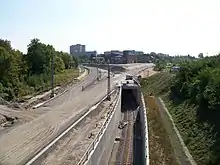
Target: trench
[{"x": 130, "y": 146}]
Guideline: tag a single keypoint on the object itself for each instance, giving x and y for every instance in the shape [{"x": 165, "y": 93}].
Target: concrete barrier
[
  {"x": 143, "y": 116},
  {"x": 86, "y": 72}
]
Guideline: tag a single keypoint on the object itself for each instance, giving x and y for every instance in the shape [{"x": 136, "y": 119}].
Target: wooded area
[{"x": 24, "y": 74}]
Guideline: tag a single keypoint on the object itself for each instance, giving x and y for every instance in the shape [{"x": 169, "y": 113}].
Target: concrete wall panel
[
  {"x": 143, "y": 116},
  {"x": 107, "y": 139}
]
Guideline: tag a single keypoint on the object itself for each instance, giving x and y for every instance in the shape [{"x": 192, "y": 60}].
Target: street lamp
[
  {"x": 52, "y": 77},
  {"x": 97, "y": 69},
  {"x": 108, "y": 88}
]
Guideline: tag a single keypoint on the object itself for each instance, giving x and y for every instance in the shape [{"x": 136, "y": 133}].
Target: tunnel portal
[{"x": 130, "y": 150}]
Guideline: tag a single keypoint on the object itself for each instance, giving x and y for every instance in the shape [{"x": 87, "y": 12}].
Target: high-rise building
[{"x": 77, "y": 49}]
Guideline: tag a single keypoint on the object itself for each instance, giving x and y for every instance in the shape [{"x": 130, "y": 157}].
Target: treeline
[
  {"x": 162, "y": 63},
  {"x": 199, "y": 81},
  {"x": 22, "y": 74},
  {"x": 198, "y": 84},
  {"x": 162, "y": 58}
]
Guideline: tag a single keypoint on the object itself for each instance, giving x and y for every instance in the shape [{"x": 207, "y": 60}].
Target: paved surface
[
  {"x": 20, "y": 144},
  {"x": 71, "y": 94}
]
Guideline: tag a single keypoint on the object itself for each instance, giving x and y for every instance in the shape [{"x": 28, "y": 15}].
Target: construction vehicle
[{"x": 129, "y": 77}]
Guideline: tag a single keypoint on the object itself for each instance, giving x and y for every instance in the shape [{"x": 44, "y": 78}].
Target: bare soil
[
  {"x": 13, "y": 114},
  {"x": 71, "y": 149}
]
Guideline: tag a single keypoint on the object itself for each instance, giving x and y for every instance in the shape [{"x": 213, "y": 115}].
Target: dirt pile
[{"x": 7, "y": 121}]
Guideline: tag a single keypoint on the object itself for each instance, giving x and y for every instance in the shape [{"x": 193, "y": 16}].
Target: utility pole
[
  {"x": 108, "y": 88},
  {"x": 97, "y": 70},
  {"x": 52, "y": 77},
  {"x": 97, "y": 73}
]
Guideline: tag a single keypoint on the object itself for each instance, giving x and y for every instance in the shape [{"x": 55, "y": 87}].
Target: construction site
[{"x": 80, "y": 128}]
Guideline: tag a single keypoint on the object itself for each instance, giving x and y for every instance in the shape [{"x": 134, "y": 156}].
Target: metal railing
[{"x": 85, "y": 157}]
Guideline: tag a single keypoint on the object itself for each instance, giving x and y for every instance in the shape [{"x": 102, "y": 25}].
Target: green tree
[
  {"x": 59, "y": 64},
  {"x": 4, "y": 63},
  {"x": 6, "y": 44},
  {"x": 200, "y": 55},
  {"x": 39, "y": 57},
  {"x": 67, "y": 59}
]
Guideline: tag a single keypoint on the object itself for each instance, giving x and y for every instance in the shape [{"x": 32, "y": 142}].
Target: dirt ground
[
  {"x": 13, "y": 114},
  {"x": 148, "y": 72},
  {"x": 71, "y": 149}
]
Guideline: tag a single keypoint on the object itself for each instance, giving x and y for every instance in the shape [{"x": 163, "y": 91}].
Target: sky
[{"x": 175, "y": 27}]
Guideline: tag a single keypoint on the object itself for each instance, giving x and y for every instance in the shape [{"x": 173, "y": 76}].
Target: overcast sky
[{"x": 166, "y": 26}]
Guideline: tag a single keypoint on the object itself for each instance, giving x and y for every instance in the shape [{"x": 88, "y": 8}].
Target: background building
[
  {"x": 77, "y": 49},
  {"x": 91, "y": 53},
  {"x": 130, "y": 56},
  {"x": 114, "y": 56},
  {"x": 139, "y": 53}
]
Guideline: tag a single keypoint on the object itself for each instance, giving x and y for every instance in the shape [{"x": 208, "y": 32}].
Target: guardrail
[{"x": 85, "y": 157}]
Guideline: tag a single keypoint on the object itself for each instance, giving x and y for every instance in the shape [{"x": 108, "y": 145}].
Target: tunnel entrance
[
  {"x": 129, "y": 100},
  {"x": 130, "y": 145}
]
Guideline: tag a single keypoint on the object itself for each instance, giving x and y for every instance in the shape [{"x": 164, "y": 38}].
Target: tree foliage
[
  {"x": 198, "y": 82},
  {"x": 192, "y": 96},
  {"x": 20, "y": 72}
]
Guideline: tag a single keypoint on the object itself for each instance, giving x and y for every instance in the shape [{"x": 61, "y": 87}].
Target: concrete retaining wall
[
  {"x": 107, "y": 139},
  {"x": 144, "y": 130},
  {"x": 113, "y": 68}
]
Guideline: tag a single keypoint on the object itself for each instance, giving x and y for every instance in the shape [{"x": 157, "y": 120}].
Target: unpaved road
[
  {"x": 71, "y": 149},
  {"x": 20, "y": 144},
  {"x": 71, "y": 94}
]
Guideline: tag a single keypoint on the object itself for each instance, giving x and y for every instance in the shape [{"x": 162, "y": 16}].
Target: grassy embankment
[
  {"x": 41, "y": 83},
  {"x": 199, "y": 137},
  {"x": 161, "y": 150}
]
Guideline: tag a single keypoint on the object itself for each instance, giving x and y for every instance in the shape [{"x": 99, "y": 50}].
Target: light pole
[
  {"x": 52, "y": 77},
  {"x": 108, "y": 88},
  {"x": 97, "y": 69}
]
